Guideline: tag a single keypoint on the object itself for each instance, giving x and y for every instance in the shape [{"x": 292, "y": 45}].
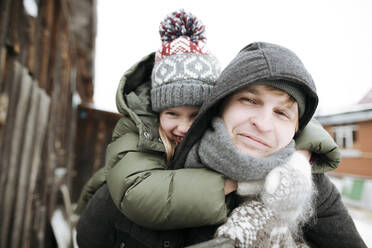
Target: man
[
  {"x": 259, "y": 121},
  {"x": 253, "y": 137}
]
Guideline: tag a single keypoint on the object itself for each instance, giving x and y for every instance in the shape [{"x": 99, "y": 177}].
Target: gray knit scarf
[{"x": 216, "y": 151}]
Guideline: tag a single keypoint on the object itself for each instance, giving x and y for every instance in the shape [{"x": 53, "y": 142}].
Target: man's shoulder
[
  {"x": 326, "y": 192},
  {"x": 322, "y": 183},
  {"x": 102, "y": 194},
  {"x": 321, "y": 179}
]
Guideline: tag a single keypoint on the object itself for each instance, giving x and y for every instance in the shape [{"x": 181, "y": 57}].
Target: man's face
[{"x": 260, "y": 120}]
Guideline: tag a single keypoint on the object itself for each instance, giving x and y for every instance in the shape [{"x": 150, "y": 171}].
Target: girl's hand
[{"x": 230, "y": 186}]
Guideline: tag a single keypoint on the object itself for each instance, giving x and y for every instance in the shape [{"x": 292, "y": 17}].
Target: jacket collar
[{"x": 134, "y": 101}]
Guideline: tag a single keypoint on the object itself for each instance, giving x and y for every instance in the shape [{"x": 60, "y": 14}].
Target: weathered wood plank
[
  {"x": 4, "y": 20},
  {"x": 38, "y": 240},
  {"x": 32, "y": 46},
  {"x": 53, "y": 130},
  {"x": 12, "y": 34},
  {"x": 25, "y": 159},
  {"x": 16, "y": 149},
  {"x": 12, "y": 90},
  {"x": 4, "y": 96},
  {"x": 47, "y": 15},
  {"x": 40, "y": 131},
  {"x": 2, "y": 68},
  {"x": 99, "y": 147},
  {"x": 5, "y": 91},
  {"x": 72, "y": 139}
]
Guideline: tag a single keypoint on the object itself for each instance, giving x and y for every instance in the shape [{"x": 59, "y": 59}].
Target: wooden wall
[
  {"x": 45, "y": 68},
  {"x": 94, "y": 129}
]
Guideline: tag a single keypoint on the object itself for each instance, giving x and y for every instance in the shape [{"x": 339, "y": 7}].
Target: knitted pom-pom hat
[{"x": 184, "y": 71}]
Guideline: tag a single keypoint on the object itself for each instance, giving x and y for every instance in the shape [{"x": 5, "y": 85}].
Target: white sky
[{"x": 333, "y": 38}]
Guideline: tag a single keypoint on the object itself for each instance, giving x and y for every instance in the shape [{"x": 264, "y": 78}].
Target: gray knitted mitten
[
  {"x": 252, "y": 224},
  {"x": 288, "y": 189},
  {"x": 285, "y": 199}
]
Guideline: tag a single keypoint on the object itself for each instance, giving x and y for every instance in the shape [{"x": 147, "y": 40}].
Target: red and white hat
[{"x": 184, "y": 70}]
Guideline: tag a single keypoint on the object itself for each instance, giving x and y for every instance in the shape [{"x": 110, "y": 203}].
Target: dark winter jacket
[{"x": 103, "y": 225}]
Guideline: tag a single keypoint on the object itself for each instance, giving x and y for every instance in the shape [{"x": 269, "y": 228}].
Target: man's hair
[{"x": 290, "y": 100}]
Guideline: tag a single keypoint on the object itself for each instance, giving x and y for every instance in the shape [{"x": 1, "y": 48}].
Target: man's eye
[
  {"x": 247, "y": 100},
  {"x": 281, "y": 113},
  {"x": 171, "y": 113}
]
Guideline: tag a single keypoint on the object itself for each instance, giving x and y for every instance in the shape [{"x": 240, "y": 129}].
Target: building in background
[{"x": 352, "y": 130}]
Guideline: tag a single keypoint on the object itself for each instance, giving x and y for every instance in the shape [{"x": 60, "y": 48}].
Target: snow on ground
[{"x": 363, "y": 221}]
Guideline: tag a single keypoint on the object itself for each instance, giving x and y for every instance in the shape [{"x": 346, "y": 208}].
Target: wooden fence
[
  {"x": 94, "y": 129},
  {"x": 46, "y": 66}
]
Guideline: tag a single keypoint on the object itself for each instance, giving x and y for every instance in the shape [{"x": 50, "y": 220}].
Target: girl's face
[{"x": 176, "y": 121}]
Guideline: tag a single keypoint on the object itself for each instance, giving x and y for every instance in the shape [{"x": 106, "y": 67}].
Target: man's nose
[{"x": 263, "y": 121}]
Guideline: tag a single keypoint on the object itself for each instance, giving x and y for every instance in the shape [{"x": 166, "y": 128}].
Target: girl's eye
[
  {"x": 171, "y": 113},
  {"x": 193, "y": 115}
]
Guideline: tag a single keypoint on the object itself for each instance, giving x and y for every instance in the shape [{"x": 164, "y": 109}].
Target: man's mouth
[{"x": 254, "y": 139}]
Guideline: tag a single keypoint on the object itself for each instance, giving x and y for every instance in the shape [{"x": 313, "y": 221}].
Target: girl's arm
[
  {"x": 163, "y": 199},
  {"x": 325, "y": 155},
  {"x": 155, "y": 197}
]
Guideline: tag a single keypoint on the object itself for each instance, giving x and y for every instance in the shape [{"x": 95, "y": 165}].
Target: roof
[
  {"x": 352, "y": 114},
  {"x": 367, "y": 98}
]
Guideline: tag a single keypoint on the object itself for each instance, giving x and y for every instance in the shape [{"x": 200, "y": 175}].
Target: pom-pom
[{"x": 181, "y": 23}]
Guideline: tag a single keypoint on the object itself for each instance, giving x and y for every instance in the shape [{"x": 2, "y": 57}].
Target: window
[{"x": 345, "y": 136}]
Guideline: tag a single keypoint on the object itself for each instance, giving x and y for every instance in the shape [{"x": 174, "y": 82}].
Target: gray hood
[{"x": 256, "y": 62}]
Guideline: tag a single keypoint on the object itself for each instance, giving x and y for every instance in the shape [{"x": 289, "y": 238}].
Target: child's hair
[{"x": 170, "y": 146}]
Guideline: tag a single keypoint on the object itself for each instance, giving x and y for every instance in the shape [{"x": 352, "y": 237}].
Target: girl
[{"x": 159, "y": 97}]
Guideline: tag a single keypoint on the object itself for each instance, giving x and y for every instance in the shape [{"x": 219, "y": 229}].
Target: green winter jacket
[{"x": 136, "y": 171}]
